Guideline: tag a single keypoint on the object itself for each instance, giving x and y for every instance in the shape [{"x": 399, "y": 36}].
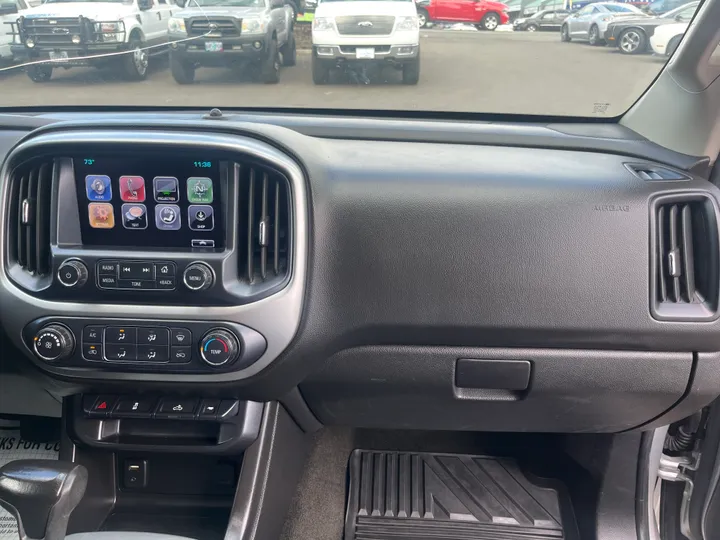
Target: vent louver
[
  {"x": 653, "y": 173},
  {"x": 687, "y": 254},
  {"x": 264, "y": 226},
  {"x": 29, "y": 224}
]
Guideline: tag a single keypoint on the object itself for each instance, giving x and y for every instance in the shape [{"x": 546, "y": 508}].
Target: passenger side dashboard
[{"x": 428, "y": 285}]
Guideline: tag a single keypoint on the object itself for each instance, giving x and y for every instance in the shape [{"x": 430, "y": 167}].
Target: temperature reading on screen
[
  {"x": 89, "y": 161},
  {"x": 203, "y": 164}
]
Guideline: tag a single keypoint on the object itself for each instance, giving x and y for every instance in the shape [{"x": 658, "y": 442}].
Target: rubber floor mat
[
  {"x": 404, "y": 496},
  {"x": 13, "y": 447}
]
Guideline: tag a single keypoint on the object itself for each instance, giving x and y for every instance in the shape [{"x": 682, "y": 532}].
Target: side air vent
[
  {"x": 28, "y": 228},
  {"x": 687, "y": 258},
  {"x": 652, "y": 173},
  {"x": 264, "y": 241}
]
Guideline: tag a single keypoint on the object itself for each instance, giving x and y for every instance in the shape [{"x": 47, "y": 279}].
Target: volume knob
[
  {"x": 72, "y": 273},
  {"x": 53, "y": 342}
]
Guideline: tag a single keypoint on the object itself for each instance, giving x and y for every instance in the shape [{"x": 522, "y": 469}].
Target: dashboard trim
[{"x": 276, "y": 317}]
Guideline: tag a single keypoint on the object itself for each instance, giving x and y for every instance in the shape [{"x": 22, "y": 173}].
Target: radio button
[
  {"x": 137, "y": 270},
  {"x": 164, "y": 269},
  {"x": 166, "y": 284},
  {"x": 107, "y": 268},
  {"x": 107, "y": 282},
  {"x": 135, "y": 284},
  {"x": 153, "y": 336},
  {"x": 152, "y": 353},
  {"x": 121, "y": 334},
  {"x": 122, "y": 353}
]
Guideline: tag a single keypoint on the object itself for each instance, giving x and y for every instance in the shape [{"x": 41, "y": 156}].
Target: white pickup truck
[
  {"x": 359, "y": 34},
  {"x": 70, "y": 33}
]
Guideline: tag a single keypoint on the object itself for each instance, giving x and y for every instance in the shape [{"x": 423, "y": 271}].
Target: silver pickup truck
[{"x": 243, "y": 34}]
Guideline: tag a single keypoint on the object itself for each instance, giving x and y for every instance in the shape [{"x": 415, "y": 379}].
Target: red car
[{"x": 484, "y": 14}]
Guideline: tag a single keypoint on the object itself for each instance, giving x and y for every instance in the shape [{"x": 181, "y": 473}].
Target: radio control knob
[
  {"x": 219, "y": 347},
  {"x": 198, "y": 277},
  {"x": 53, "y": 342},
  {"x": 72, "y": 273}
]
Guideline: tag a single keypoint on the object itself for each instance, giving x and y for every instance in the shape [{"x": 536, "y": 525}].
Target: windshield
[{"x": 368, "y": 57}]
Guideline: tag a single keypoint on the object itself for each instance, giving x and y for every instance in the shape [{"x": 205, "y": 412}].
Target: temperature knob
[
  {"x": 219, "y": 347},
  {"x": 53, "y": 342}
]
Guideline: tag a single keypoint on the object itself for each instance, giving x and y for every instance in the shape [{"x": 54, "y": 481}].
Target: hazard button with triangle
[{"x": 98, "y": 406}]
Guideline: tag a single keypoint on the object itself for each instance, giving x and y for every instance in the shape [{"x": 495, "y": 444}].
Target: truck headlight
[
  {"x": 176, "y": 25},
  {"x": 407, "y": 23},
  {"x": 253, "y": 26},
  {"x": 323, "y": 23}
]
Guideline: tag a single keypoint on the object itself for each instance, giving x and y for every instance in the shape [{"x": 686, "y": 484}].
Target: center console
[{"x": 147, "y": 255}]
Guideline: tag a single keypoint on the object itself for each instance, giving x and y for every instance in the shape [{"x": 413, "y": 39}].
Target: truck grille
[
  {"x": 380, "y": 25},
  {"x": 215, "y": 27},
  {"x": 56, "y": 31}
]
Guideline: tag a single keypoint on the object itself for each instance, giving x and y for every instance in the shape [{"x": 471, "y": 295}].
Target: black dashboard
[{"x": 471, "y": 277}]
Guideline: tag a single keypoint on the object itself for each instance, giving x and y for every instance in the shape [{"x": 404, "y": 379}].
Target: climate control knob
[
  {"x": 53, "y": 342},
  {"x": 198, "y": 277},
  {"x": 72, "y": 273},
  {"x": 219, "y": 347}
]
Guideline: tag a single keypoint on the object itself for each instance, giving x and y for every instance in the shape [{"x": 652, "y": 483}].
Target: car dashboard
[{"x": 430, "y": 275}]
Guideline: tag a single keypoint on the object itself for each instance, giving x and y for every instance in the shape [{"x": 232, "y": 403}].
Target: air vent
[
  {"x": 265, "y": 227},
  {"x": 29, "y": 225},
  {"x": 687, "y": 258},
  {"x": 652, "y": 173}
]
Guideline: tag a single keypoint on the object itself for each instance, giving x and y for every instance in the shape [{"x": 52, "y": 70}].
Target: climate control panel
[{"x": 162, "y": 346}]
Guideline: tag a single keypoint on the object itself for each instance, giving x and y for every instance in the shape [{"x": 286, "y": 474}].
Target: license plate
[
  {"x": 59, "y": 56},
  {"x": 362, "y": 52},
  {"x": 213, "y": 46}
]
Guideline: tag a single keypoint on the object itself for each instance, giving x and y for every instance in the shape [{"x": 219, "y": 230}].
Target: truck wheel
[
  {"x": 423, "y": 18},
  {"x": 135, "y": 62},
  {"x": 289, "y": 51},
  {"x": 490, "y": 21},
  {"x": 411, "y": 71},
  {"x": 182, "y": 72},
  {"x": 320, "y": 71},
  {"x": 270, "y": 66},
  {"x": 39, "y": 73}
]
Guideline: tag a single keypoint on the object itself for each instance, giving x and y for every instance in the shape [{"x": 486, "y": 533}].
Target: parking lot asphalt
[{"x": 491, "y": 72}]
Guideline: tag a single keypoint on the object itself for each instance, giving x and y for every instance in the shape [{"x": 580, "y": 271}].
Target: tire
[
  {"x": 565, "y": 34},
  {"x": 411, "y": 72},
  {"x": 135, "y": 62},
  {"x": 532, "y": 28},
  {"x": 632, "y": 41},
  {"x": 594, "y": 38},
  {"x": 289, "y": 51},
  {"x": 320, "y": 71},
  {"x": 490, "y": 22},
  {"x": 270, "y": 66},
  {"x": 39, "y": 73},
  {"x": 672, "y": 46},
  {"x": 182, "y": 72},
  {"x": 423, "y": 18}
]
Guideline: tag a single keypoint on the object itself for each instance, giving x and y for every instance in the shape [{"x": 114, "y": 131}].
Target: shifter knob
[{"x": 41, "y": 494}]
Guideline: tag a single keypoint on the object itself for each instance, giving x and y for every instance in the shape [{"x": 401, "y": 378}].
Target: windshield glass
[{"x": 550, "y": 58}]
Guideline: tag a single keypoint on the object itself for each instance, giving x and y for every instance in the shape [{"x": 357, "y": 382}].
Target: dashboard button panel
[
  {"x": 160, "y": 407},
  {"x": 136, "y": 275},
  {"x": 146, "y": 345}
]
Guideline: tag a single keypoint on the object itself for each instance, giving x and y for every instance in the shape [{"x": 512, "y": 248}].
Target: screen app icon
[
  {"x": 102, "y": 215},
  {"x": 98, "y": 187},
  {"x": 132, "y": 188},
  {"x": 167, "y": 217},
  {"x": 166, "y": 189},
  {"x": 201, "y": 218},
  {"x": 199, "y": 190},
  {"x": 134, "y": 216}
]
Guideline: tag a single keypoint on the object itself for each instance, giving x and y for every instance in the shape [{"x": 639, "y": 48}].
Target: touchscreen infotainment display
[{"x": 149, "y": 201}]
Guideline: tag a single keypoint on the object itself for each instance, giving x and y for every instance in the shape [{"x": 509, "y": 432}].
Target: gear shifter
[{"x": 41, "y": 494}]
